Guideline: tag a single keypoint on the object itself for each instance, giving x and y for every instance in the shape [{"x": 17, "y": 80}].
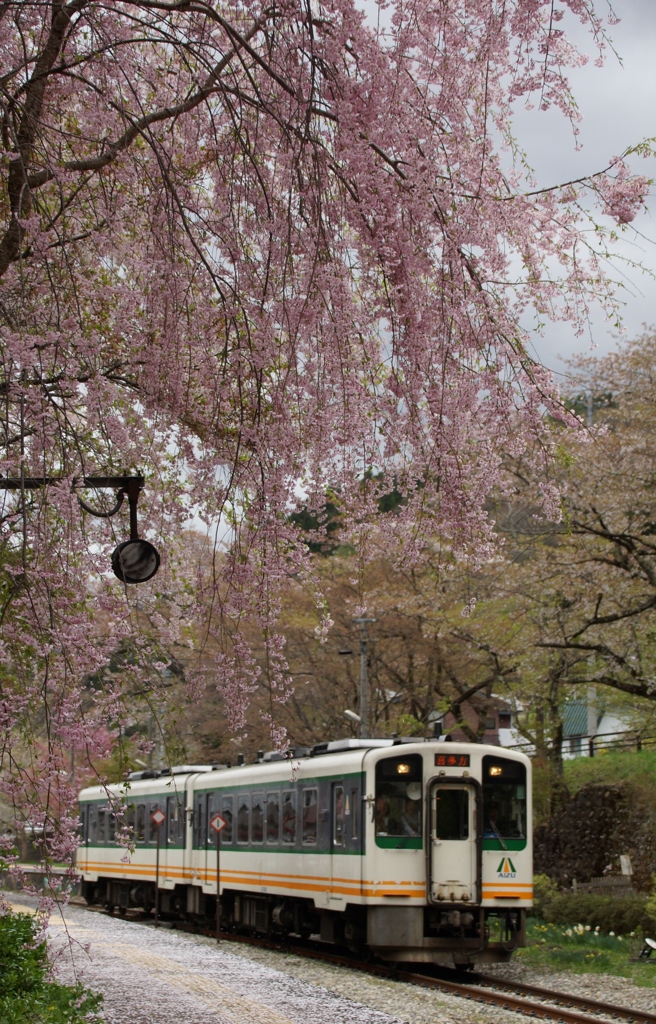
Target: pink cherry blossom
[
  {"x": 622, "y": 193},
  {"x": 260, "y": 253}
]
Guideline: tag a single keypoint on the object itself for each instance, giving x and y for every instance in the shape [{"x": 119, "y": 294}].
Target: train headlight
[
  {"x": 403, "y": 769},
  {"x": 496, "y": 769}
]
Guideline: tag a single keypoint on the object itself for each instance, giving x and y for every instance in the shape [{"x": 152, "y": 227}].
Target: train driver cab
[{"x": 398, "y": 802}]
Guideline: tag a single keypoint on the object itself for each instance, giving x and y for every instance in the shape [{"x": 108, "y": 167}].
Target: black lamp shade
[{"x": 135, "y": 561}]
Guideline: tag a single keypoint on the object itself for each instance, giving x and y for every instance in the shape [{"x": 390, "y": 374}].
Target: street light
[
  {"x": 134, "y": 560},
  {"x": 364, "y": 676},
  {"x": 363, "y": 717}
]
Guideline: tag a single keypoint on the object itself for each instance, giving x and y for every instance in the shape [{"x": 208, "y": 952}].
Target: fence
[{"x": 589, "y": 746}]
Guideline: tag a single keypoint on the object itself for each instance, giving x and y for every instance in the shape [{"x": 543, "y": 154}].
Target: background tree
[
  {"x": 426, "y": 657},
  {"x": 588, "y": 584},
  {"x": 250, "y": 249}
]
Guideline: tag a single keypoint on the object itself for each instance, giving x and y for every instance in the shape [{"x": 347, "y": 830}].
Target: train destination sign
[
  {"x": 452, "y": 760},
  {"x": 158, "y": 817},
  {"x": 218, "y": 822}
]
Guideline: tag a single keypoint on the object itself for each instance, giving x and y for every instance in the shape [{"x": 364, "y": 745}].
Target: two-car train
[{"x": 419, "y": 850}]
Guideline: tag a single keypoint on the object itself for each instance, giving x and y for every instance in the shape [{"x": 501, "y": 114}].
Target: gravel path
[
  {"x": 161, "y": 977},
  {"x": 169, "y": 977}
]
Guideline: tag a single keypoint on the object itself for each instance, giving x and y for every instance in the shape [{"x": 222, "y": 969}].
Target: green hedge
[
  {"x": 26, "y": 995},
  {"x": 620, "y": 914}
]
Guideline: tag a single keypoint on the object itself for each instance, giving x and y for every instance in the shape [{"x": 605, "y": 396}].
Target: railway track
[
  {"x": 517, "y": 997},
  {"x": 563, "y": 999},
  {"x": 545, "y": 1004}
]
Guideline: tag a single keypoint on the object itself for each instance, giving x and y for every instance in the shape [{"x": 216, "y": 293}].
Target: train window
[
  {"x": 398, "y": 798},
  {"x": 152, "y": 827},
  {"x": 504, "y": 800},
  {"x": 354, "y": 808},
  {"x": 199, "y": 820},
  {"x": 82, "y": 823},
  {"x": 243, "y": 818},
  {"x": 130, "y": 812},
  {"x": 309, "y": 817},
  {"x": 338, "y": 815},
  {"x": 174, "y": 819},
  {"x": 93, "y": 824},
  {"x": 111, "y": 825},
  {"x": 226, "y": 811},
  {"x": 273, "y": 817},
  {"x": 452, "y": 812},
  {"x": 102, "y": 816},
  {"x": 140, "y": 832},
  {"x": 213, "y": 804},
  {"x": 289, "y": 817},
  {"x": 257, "y": 818}
]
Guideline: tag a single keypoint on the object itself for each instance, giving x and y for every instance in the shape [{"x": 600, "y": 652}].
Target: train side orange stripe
[
  {"x": 352, "y": 887},
  {"x": 305, "y": 883},
  {"x": 256, "y": 876}
]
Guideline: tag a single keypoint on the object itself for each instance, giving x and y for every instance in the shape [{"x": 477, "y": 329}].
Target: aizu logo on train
[{"x": 506, "y": 868}]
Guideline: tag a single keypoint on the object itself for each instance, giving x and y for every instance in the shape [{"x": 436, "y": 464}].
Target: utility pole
[
  {"x": 364, "y": 677},
  {"x": 150, "y": 741}
]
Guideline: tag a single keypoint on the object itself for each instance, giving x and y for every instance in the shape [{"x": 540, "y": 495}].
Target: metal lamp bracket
[
  {"x": 132, "y": 487},
  {"x": 103, "y": 515},
  {"x": 133, "y": 561}
]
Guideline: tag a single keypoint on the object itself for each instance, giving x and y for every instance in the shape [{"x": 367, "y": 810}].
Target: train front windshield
[
  {"x": 504, "y": 799},
  {"x": 398, "y": 796}
]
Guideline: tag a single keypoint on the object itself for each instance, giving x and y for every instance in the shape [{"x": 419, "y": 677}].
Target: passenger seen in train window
[
  {"x": 382, "y": 815},
  {"x": 411, "y": 818}
]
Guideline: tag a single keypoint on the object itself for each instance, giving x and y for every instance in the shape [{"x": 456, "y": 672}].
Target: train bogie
[{"x": 420, "y": 851}]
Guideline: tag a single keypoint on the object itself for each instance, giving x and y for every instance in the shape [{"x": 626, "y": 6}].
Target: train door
[
  {"x": 338, "y": 838},
  {"x": 454, "y": 872},
  {"x": 213, "y": 806},
  {"x": 345, "y": 838},
  {"x": 172, "y": 838},
  {"x": 200, "y": 837},
  {"x": 187, "y": 837}
]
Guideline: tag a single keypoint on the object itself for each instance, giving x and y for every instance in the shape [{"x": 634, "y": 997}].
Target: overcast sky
[{"x": 618, "y": 104}]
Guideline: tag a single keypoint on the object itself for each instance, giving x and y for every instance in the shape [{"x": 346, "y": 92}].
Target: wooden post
[
  {"x": 157, "y": 881},
  {"x": 218, "y": 887}
]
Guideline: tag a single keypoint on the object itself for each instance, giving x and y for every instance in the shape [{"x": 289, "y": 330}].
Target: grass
[
  {"x": 638, "y": 768},
  {"x": 582, "y": 950}
]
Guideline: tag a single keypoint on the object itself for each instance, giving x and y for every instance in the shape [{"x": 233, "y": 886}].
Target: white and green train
[{"x": 418, "y": 850}]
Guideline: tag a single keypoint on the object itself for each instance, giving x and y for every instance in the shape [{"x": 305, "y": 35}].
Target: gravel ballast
[
  {"x": 165, "y": 976},
  {"x": 607, "y": 988}
]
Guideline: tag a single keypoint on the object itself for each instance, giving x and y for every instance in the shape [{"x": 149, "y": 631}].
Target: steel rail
[
  {"x": 483, "y": 989},
  {"x": 565, "y": 999}
]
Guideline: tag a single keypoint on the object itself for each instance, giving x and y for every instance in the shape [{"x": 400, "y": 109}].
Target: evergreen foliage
[{"x": 27, "y": 996}]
